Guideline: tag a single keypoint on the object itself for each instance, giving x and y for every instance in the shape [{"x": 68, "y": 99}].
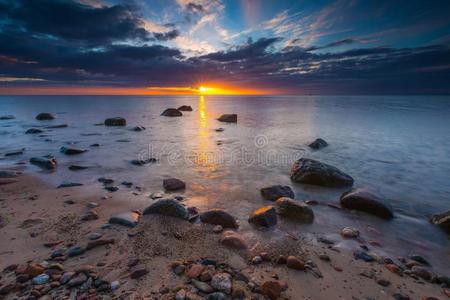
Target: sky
[{"x": 236, "y": 46}]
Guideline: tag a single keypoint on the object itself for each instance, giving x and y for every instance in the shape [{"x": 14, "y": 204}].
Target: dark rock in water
[
  {"x": 173, "y": 184},
  {"x": 264, "y": 216},
  {"x": 127, "y": 183},
  {"x": 219, "y": 217},
  {"x": 185, "y": 108},
  {"x": 220, "y": 129},
  {"x": 274, "y": 192},
  {"x": 171, "y": 112},
  {"x": 15, "y": 152},
  {"x": 7, "y": 117},
  {"x": 44, "y": 116},
  {"x": 420, "y": 260},
  {"x": 167, "y": 207},
  {"x": 442, "y": 220},
  {"x": 318, "y": 144},
  {"x": 367, "y": 201},
  {"x": 71, "y": 151},
  {"x": 363, "y": 256},
  {"x": 128, "y": 219},
  {"x": 138, "y": 128},
  {"x": 105, "y": 180},
  {"x": 44, "y": 163},
  {"x": 9, "y": 174},
  {"x": 314, "y": 172},
  {"x": 94, "y": 145},
  {"x": 117, "y": 121},
  {"x": 228, "y": 118},
  {"x": 69, "y": 184},
  {"x": 57, "y": 126},
  {"x": 141, "y": 162},
  {"x": 295, "y": 210},
  {"x": 111, "y": 189},
  {"x": 77, "y": 167},
  {"x": 34, "y": 131},
  {"x": 421, "y": 272},
  {"x": 75, "y": 251}
]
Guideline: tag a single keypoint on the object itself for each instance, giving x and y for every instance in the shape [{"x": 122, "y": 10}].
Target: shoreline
[{"x": 37, "y": 213}]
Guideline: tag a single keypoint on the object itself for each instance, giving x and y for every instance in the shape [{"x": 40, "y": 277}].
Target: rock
[
  {"x": 367, "y": 201},
  {"x": 202, "y": 286},
  {"x": 117, "y": 121},
  {"x": 318, "y": 144},
  {"x": 324, "y": 257},
  {"x": 228, "y": 118},
  {"x": 393, "y": 268},
  {"x": 77, "y": 167},
  {"x": 7, "y": 117},
  {"x": 34, "y": 131},
  {"x": 220, "y": 129},
  {"x": 421, "y": 272},
  {"x": 383, "y": 282},
  {"x": 217, "y": 229},
  {"x": 294, "y": 210},
  {"x": 142, "y": 162},
  {"x": 264, "y": 216},
  {"x": 67, "y": 184},
  {"x": 274, "y": 192},
  {"x": 71, "y": 151},
  {"x": 44, "y": 116},
  {"x": 271, "y": 289},
  {"x": 171, "y": 112},
  {"x": 233, "y": 240},
  {"x": 105, "y": 181},
  {"x": 57, "y": 126},
  {"x": 128, "y": 219},
  {"x": 216, "y": 296},
  {"x": 90, "y": 216},
  {"x": 127, "y": 184},
  {"x": 75, "y": 251},
  {"x": 313, "y": 172},
  {"x": 195, "y": 270},
  {"x": 185, "y": 108},
  {"x": 363, "y": 256},
  {"x": 442, "y": 220},
  {"x": 99, "y": 242},
  {"x": 115, "y": 285},
  {"x": 9, "y": 174},
  {"x": 293, "y": 262},
  {"x": 44, "y": 163},
  {"x": 111, "y": 189},
  {"x": 95, "y": 145},
  {"x": 15, "y": 152},
  {"x": 79, "y": 279},
  {"x": 167, "y": 207},
  {"x": 222, "y": 282},
  {"x": 138, "y": 128},
  {"x": 178, "y": 270},
  {"x": 173, "y": 184},
  {"x": 138, "y": 271},
  {"x": 34, "y": 270},
  {"x": 219, "y": 217},
  {"x": 180, "y": 295},
  {"x": 41, "y": 279},
  {"x": 400, "y": 296},
  {"x": 420, "y": 259},
  {"x": 256, "y": 260},
  {"x": 349, "y": 232}
]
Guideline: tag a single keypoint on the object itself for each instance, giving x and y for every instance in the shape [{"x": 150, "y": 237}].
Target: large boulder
[
  {"x": 48, "y": 163},
  {"x": 173, "y": 184},
  {"x": 367, "y": 201},
  {"x": 318, "y": 144},
  {"x": 228, "y": 118},
  {"x": 274, "y": 192},
  {"x": 219, "y": 217},
  {"x": 71, "y": 151},
  {"x": 128, "y": 219},
  {"x": 167, "y": 207},
  {"x": 185, "y": 108},
  {"x": 45, "y": 116},
  {"x": 314, "y": 172},
  {"x": 171, "y": 112},
  {"x": 442, "y": 220},
  {"x": 264, "y": 216},
  {"x": 294, "y": 210},
  {"x": 117, "y": 121}
]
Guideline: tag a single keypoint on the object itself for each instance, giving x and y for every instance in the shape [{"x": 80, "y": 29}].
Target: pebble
[
  {"x": 421, "y": 272},
  {"x": 180, "y": 295},
  {"x": 66, "y": 277},
  {"x": 233, "y": 240},
  {"x": 217, "y": 229},
  {"x": 257, "y": 260},
  {"x": 203, "y": 286},
  {"x": 401, "y": 296},
  {"x": 222, "y": 282},
  {"x": 77, "y": 280},
  {"x": 90, "y": 216},
  {"x": 75, "y": 250},
  {"x": 393, "y": 268},
  {"x": 195, "y": 270},
  {"x": 41, "y": 279},
  {"x": 115, "y": 285},
  {"x": 271, "y": 289},
  {"x": 92, "y": 205},
  {"x": 138, "y": 271},
  {"x": 178, "y": 270},
  {"x": 94, "y": 236},
  {"x": 363, "y": 256},
  {"x": 383, "y": 282},
  {"x": 295, "y": 263},
  {"x": 349, "y": 232},
  {"x": 324, "y": 257}
]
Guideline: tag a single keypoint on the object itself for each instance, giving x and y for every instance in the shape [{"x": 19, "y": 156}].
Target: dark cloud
[
  {"x": 195, "y": 8},
  {"x": 166, "y": 36}
]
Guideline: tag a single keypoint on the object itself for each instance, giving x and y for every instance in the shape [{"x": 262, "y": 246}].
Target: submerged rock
[
  {"x": 185, "y": 108},
  {"x": 7, "y": 117},
  {"x": 138, "y": 128},
  {"x": 9, "y": 174},
  {"x": 71, "y": 151},
  {"x": 45, "y": 116},
  {"x": 44, "y": 163},
  {"x": 34, "y": 131},
  {"x": 219, "y": 217},
  {"x": 367, "y": 201},
  {"x": 265, "y": 216},
  {"x": 295, "y": 210},
  {"x": 442, "y": 220},
  {"x": 349, "y": 232},
  {"x": 141, "y": 162},
  {"x": 57, "y": 126},
  {"x": 314, "y": 172},
  {"x": 128, "y": 219},
  {"x": 228, "y": 118},
  {"x": 171, "y": 112},
  {"x": 69, "y": 184},
  {"x": 274, "y": 192},
  {"x": 15, "y": 152},
  {"x": 318, "y": 144},
  {"x": 167, "y": 207},
  {"x": 173, "y": 184},
  {"x": 116, "y": 121},
  {"x": 77, "y": 167}
]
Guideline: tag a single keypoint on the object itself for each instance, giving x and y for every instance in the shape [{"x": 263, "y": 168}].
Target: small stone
[
  {"x": 257, "y": 260},
  {"x": 116, "y": 121},
  {"x": 115, "y": 285},
  {"x": 202, "y": 286},
  {"x": 295, "y": 263},
  {"x": 222, "y": 282},
  {"x": 92, "y": 205},
  {"x": 91, "y": 215},
  {"x": 138, "y": 271},
  {"x": 195, "y": 270},
  {"x": 272, "y": 193},
  {"x": 324, "y": 257},
  {"x": 217, "y": 229},
  {"x": 393, "y": 268},
  {"x": 94, "y": 236},
  {"x": 41, "y": 279},
  {"x": 173, "y": 184},
  {"x": 228, "y": 118},
  {"x": 180, "y": 295},
  {"x": 45, "y": 116},
  {"x": 233, "y": 240},
  {"x": 318, "y": 144},
  {"x": 216, "y": 296},
  {"x": 100, "y": 242},
  {"x": 363, "y": 256},
  {"x": 281, "y": 260},
  {"x": 35, "y": 269},
  {"x": 77, "y": 280},
  {"x": 75, "y": 250},
  {"x": 400, "y": 296},
  {"x": 421, "y": 272},
  {"x": 349, "y": 232},
  {"x": 66, "y": 277},
  {"x": 128, "y": 219},
  {"x": 219, "y": 217},
  {"x": 133, "y": 262},
  {"x": 179, "y": 270},
  {"x": 419, "y": 259},
  {"x": 383, "y": 282},
  {"x": 271, "y": 289}
]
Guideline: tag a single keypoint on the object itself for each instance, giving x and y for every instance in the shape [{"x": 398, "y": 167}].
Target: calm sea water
[{"x": 399, "y": 146}]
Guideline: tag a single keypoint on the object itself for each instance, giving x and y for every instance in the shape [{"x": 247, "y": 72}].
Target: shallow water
[{"x": 397, "y": 145}]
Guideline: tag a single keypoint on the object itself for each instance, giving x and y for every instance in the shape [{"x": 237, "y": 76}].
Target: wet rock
[
  {"x": 66, "y": 277},
  {"x": 233, "y": 240},
  {"x": 219, "y": 217},
  {"x": 34, "y": 270},
  {"x": 222, "y": 282},
  {"x": 142, "y": 162},
  {"x": 90, "y": 216},
  {"x": 79, "y": 279},
  {"x": 256, "y": 260},
  {"x": 421, "y": 272},
  {"x": 138, "y": 271},
  {"x": 34, "y": 131},
  {"x": 264, "y": 216},
  {"x": 228, "y": 118},
  {"x": 363, "y": 256},
  {"x": 7, "y": 117},
  {"x": 393, "y": 268},
  {"x": 117, "y": 121},
  {"x": 44, "y": 163},
  {"x": 128, "y": 219},
  {"x": 99, "y": 242},
  {"x": 138, "y": 128},
  {"x": 71, "y": 151},
  {"x": 77, "y": 167},
  {"x": 294, "y": 210},
  {"x": 383, "y": 282},
  {"x": 94, "y": 145},
  {"x": 419, "y": 259},
  {"x": 9, "y": 174},
  {"x": 173, "y": 184},
  {"x": 313, "y": 172},
  {"x": 195, "y": 270},
  {"x": 271, "y": 289},
  {"x": 293, "y": 262},
  {"x": 367, "y": 201},
  {"x": 216, "y": 296},
  {"x": 220, "y": 129},
  {"x": 15, "y": 152},
  {"x": 203, "y": 286},
  {"x": 67, "y": 184},
  {"x": 75, "y": 251},
  {"x": 217, "y": 229},
  {"x": 324, "y": 257},
  {"x": 127, "y": 184},
  {"x": 167, "y": 207},
  {"x": 111, "y": 189},
  {"x": 274, "y": 192},
  {"x": 41, "y": 279},
  {"x": 400, "y": 296},
  {"x": 318, "y": 144},
  {"x": 105, "y": 181},
  {"x": 349, "y": 232},
  {"x": 45, "y": 116},
  {"x": 171, "y": 112},
  {"x": 115, "y": 285},
  {"x": 442, "y": 220},
  {"x": 185, "y": 108},
  {"x": 57, "y": 126},
  {"x": 180, "y": 295}
]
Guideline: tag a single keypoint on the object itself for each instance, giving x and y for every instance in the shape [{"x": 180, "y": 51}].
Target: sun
[{"x": 203, "y": 89}]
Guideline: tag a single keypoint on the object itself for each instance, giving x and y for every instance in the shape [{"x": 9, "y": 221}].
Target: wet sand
[{"x": 36, "y": 214}]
